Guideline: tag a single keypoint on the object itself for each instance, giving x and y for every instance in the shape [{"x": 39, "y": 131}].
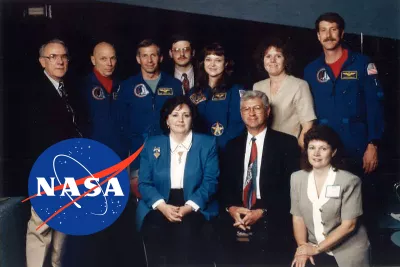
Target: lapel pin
[{"x": 156, "y": 151}]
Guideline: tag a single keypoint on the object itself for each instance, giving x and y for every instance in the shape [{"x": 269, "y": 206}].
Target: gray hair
[
  {"x": 53, "y": 41},
  {"x": 247, "y": 95}
]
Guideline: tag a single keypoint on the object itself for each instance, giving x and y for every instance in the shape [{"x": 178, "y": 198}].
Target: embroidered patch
[
  {"x": 98, "y": 93},
  {"x": 371, "y": 69},
  {"x": 197, "y": 98},
  {"x": 217, "y": 129},
  {"x": 218, "y": 96},
  {"x": 241, "y": 92},
  {"x": 165, "y": 91},
  {"x": 322, "y": 76},
  {"x": 140, "y": 90},
  {"x": 349, "y": 75}
]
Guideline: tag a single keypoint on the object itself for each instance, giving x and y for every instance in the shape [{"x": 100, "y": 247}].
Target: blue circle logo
[{"x": 79, "y": 186}]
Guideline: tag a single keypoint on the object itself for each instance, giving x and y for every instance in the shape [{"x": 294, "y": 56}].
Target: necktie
[
  {"x": 64, "y": 97},
  {"x": 249, "y": 191},
  {"x": 185, "y": 83}
]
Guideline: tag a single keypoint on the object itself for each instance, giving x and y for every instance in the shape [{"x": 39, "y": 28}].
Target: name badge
[
  {"x": 333, "y": 191},
  {"x": 165, "y": 91}
]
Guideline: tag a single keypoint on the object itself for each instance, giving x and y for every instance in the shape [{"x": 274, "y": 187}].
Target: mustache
[
  {"x": 182, "y": 57},
  {"x": 329, "y": 39}
]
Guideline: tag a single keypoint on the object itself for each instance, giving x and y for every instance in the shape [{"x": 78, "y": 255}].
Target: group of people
[{"x": 218, "y": 154}]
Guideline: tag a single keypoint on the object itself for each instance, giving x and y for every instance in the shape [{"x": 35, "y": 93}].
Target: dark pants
[
  {"x": 174, "y": 243},
  {"x": 119, "y": 245},
  {"x": 269, "y": 243},
  {"x": 323, "y": 259}
]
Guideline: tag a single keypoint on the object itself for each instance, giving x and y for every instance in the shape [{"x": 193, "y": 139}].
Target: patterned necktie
[
  {"x": 185, "y": 83},
  {"x": 64, "y": 96},
  {"x": 250, "y": 188}
]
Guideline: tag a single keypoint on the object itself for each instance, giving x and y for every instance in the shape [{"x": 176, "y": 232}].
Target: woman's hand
[
  {"x": 301, "y": 260},
  {"x": 307, "y": 249},
  {"x": 184, "y": 210},
  {"x": 170, "y": 212}
]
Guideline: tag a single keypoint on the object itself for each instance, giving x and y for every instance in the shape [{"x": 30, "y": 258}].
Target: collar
[
  {"x": 259, "y": 136},
  {"x": 55, "y": 83},
  {"x": 186, "y": 144},
  {"x": 178, "y": 73},
  {"x": 312, "y": 189}
]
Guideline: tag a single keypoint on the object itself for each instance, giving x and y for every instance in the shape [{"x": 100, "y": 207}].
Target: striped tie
[{"x": 250, "y": 188}]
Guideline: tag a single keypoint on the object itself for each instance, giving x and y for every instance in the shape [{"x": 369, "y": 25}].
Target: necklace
[{"x": 180, "y": 153}]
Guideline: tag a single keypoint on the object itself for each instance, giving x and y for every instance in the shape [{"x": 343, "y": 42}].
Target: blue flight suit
[
  {"x": 219, "y": 113},
  {"x": 351, "y": 103},
  {"x": 104, "y": 119},
  {"x": 143, "y": 107}
]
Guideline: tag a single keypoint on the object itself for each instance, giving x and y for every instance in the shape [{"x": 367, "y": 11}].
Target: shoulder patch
[
  {"x": 371, "y": 69},
  {"x": 241, "y": 92}
]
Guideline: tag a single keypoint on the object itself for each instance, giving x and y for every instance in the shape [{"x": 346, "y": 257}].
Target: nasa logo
[{"x": 79, "y": 186}]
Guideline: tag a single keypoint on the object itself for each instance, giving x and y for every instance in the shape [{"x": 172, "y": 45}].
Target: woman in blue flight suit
[{"x": 217, "y": 100}]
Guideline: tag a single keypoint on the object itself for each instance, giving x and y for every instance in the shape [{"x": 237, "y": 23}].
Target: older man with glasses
[{"x": 49, "y": 119}]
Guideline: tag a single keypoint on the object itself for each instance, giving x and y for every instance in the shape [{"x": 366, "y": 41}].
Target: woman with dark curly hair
[
  {"x": 326, "y": 205},
  {"x": 177, "y": 182},
  {"x": 218, "y": 100},
  {"x": 290, "y": 97}
]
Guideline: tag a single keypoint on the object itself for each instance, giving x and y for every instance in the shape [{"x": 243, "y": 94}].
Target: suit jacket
[
  {"x": 200, "y": 176},
  {"x": 46, "y": 117},
  {"x": 354, "y": 249},
  {"x": 280, "y": 158}
]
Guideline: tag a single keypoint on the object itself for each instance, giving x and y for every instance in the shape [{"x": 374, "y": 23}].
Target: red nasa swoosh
[{"x": 110, "y": 172}]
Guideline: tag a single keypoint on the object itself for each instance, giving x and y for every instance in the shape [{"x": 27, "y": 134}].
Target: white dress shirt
[
  {"x": 190, "y": 75},
  {"x": 260, "y": 146},
  {"x": 318, "y": 202},
  {"x": 55, "y": 83},
  {"x": 178, "y": 162}
]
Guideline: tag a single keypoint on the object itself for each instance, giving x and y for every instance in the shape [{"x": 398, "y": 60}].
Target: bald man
[{"x": 103, "y": 121}]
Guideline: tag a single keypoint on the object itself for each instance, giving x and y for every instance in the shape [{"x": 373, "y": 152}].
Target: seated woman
[
  {"x": 326, "y": 205},
  {"x": 290, "y": 97},
  {"x": 217, "y": 99},
  {"x": 177, "y": 182}
]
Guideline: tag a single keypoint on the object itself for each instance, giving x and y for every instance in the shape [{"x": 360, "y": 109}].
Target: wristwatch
[{"x": 264, "y": 212}]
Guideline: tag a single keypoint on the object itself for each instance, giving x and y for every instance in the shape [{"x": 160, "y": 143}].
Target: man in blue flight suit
[
  {"x": 347, "y": 95},
  {"x": 142, "y": 96},
  {"x": 104, "y": 120},
  {"x": 104, "y": 123}
]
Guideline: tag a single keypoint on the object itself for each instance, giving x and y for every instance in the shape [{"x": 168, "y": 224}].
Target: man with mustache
[
  {"x": 182, "y": 54},
  {"x": 348, "y": 97}
]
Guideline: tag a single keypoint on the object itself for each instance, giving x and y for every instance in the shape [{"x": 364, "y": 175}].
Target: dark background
[{"x": 82, "y": 25}]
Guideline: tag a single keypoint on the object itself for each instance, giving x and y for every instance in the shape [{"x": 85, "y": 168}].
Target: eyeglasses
[
  {"x": 179, "y": 50},
  {"x": 256, "y": 109},
  {"x": 53, "y": 57}
]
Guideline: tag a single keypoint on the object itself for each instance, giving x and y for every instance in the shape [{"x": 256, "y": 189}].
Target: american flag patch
[{"x": 371, "y": 69}]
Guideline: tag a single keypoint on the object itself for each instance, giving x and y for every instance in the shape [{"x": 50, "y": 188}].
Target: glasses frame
[{"x": 53, "y": 57}]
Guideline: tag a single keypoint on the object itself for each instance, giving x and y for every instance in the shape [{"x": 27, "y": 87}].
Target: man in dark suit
[
  {"x": 255, "y": 191},
  {"x": 50, "y": 118}
]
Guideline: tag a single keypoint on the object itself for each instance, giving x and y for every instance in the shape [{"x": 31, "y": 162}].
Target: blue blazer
[{"x": 200, "y": 178}]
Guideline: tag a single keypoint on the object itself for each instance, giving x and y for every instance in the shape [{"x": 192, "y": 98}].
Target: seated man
[{"x": 255, "y": 176}]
